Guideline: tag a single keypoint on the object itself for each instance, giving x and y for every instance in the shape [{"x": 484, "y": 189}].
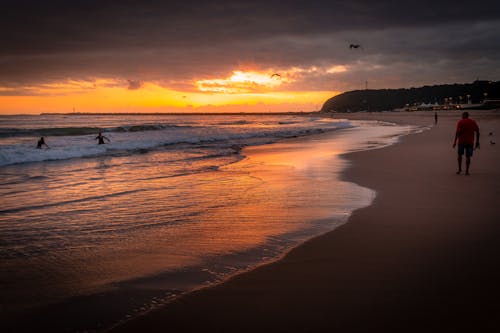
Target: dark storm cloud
[
  {"x": 62, "y": 26},
  {"x": 44, "y": 41}
]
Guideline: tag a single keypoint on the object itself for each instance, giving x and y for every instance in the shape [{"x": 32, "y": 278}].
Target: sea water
[{"x": 91, "y": 235}]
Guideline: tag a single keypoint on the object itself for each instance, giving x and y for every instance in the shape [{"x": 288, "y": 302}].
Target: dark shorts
[{"x": 468, "y": 149}]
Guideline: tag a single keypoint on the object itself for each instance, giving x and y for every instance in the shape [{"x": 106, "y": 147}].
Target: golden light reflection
[{"x": 297, "y": 154}]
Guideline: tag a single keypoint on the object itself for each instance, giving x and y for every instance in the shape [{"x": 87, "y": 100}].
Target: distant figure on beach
[
  {"x": 41, "y": 142},
  {"x": 101, "y": 138},
  {"x": 465, "y": 137},
  {"x": 435, "y": 118}
]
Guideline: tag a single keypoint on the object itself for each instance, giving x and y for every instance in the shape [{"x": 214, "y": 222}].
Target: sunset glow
[
  {"x": 208, "y": 166},
  {"x": 241, "y": 82},
  {"x": 241, "y": 91},
  {"x": 232, "y": 57}
]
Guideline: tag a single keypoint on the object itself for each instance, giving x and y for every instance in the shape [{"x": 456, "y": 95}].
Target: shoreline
[
  {"x": 68, "y": 313},
  {"x": 382, "y": 142},
  {"x": 315, "y": 288},
  {"x": 417, "y": 129},
  {"x": 318, "y": 137}
]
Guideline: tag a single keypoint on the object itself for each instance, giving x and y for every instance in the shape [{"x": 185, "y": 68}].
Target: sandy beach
[{"x": 422, "y": 257}]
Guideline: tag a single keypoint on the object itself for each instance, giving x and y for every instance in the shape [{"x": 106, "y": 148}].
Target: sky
[{"x": 234, "y": 56}]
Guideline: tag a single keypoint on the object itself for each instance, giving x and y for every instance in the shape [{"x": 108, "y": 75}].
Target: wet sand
[{"x": 422, "y": 257}]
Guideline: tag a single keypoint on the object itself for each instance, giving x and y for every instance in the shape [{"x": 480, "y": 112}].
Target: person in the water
[
  {"x": 101, "y": 138},
  {"x": 41, "y": 142}
]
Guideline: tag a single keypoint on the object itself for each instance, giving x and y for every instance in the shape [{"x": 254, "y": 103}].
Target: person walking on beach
[
  {"x": 435, "y": 118},
  {"x": 101, "y": 138},
  {"x": 466, "y": 128},
  {"x": 41, "y": 142}
]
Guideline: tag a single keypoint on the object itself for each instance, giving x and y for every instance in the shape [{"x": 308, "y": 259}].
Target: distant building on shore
[
  {"x": 479, "y": 94},
  {"x": 491, "y": 104}
]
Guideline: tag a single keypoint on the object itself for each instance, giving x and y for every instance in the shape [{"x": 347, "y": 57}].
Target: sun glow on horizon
[
  {"x": 241, "y": 91},
  {"x": 242, "y": 82}
]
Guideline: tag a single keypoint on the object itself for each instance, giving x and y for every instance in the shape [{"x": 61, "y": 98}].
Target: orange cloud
[
  {"x": 337, "y": 69},
  {"x": 241, "y": 82},
  {"x": 242, "y": 91}
]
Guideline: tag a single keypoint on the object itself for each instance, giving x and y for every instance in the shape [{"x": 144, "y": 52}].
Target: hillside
[{"x": 389, "y": 99}]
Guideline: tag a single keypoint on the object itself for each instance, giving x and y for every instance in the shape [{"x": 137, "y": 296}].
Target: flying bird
[
  {"x": 354, "y": 46},
  {"x": 275, "y": 75}
]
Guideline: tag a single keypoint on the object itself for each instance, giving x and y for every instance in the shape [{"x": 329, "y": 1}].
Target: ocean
[{"x": 92, "y": 235}]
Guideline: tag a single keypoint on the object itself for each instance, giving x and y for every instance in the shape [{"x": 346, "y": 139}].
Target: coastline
[
  {"x": 305, "y": 167},
  {"x": 420, "y": 257}
]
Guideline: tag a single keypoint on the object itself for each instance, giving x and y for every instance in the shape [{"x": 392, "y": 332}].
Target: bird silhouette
[{"x": 354, "y": 46}]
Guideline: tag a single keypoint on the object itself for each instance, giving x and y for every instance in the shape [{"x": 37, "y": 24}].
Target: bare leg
[
  {"x": 459, "y": 164},
  {"x": 467, "y": 164}
]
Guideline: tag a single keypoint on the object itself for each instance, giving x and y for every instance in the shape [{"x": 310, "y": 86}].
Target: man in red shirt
[{"x": 465, "y": 137}]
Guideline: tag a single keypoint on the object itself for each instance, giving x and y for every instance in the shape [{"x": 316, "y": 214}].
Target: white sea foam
[{"x": 19, "y": 147}]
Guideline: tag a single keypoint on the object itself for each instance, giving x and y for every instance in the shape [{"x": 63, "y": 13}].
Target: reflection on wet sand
[{"x": 141, "y": 216}]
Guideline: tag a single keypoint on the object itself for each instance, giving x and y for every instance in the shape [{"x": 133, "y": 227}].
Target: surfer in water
[
  {"x": 41, "y": 142},
  {"x": 101, "y": 138}
]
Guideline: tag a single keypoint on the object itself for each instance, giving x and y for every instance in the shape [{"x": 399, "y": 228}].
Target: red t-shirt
[{"x": 465, "y": 131}]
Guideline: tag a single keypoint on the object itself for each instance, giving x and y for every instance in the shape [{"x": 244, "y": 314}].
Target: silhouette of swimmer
[
  {"x": 41, "y": 142},
  {"x": 101, "y": 138}
]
